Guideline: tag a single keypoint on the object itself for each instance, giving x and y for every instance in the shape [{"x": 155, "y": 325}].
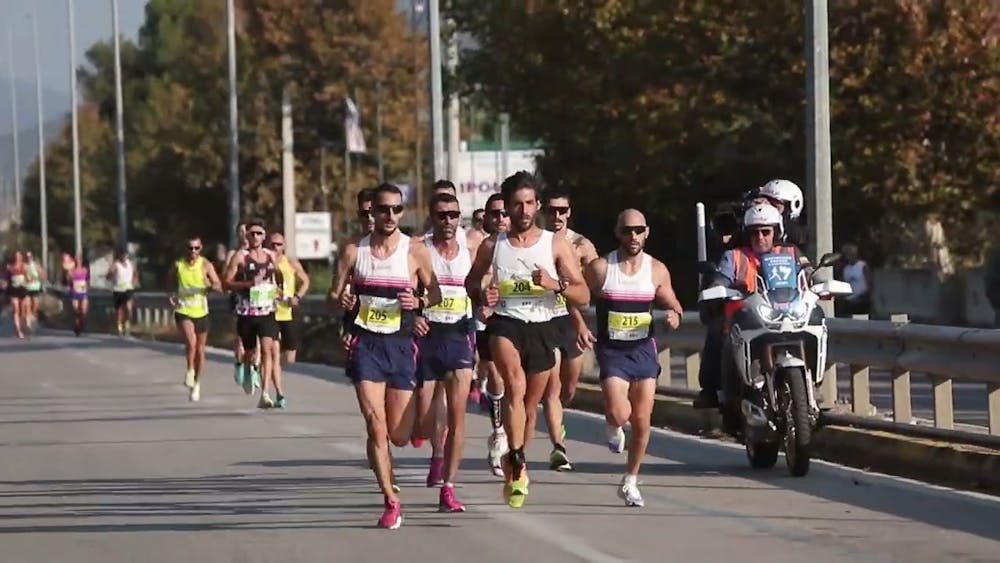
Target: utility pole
[
  {"x": 504, "y": 144},
  {"x": 453, "y": 107},
  {"x": 378, "y": 130},
  {"x": 234, "y": 139},
  {"x": 120, "y": 133},
  {"x": 42, "y": 189},
  {"x": 437, "y": 123},
  {"x": 288, "y": 172},
  {"x": 819, "y": 200},
  {"x": 417, "y": 7},
  {"x": 17, "y": 215},
  {"x": 77, "y": 219}
]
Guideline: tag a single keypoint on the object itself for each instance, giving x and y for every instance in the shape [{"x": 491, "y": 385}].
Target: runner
[
  {"x": 495, "y": 221},
  {"x": 569, "y": 356},
  {"x": 343, "y": 272},
  {"x": 16, "y": 276},
  {"x": 382, "y": 358},
  {"x": 447, "y": 351},
  {"x": 78, "y": 281},
  {"x": 249, "y": 384},
  {"x": 194, "y": 277},
  {"x": 254, "y": 276},
  {"x": 627, "y": 283},
  {"x": 36, "y": 279},
  {"x": 124, "y": 276},
  {"x": 531, "y": 267},
  {"x": 289, "y": 329}
]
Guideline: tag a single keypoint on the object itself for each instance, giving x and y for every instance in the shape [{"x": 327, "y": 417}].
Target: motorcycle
[{"x": 774, "y": 358}]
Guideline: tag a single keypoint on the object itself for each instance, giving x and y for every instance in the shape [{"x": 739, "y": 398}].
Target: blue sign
[{"x": 780, "y": 271}]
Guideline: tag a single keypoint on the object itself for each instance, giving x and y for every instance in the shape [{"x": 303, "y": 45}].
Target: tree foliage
[
  {"x": 176, "y": 116},
  {"x": 662, "y": 104}
]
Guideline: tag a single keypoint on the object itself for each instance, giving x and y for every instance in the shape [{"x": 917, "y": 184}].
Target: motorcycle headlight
[{"x": 768, "y": 314}]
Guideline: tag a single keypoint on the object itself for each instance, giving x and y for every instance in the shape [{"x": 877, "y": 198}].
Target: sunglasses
[
  {"x": 557, "y": 210},
  {"x": 386, "y": 209},
  {"x": 497, "y": 213},
  {"x": 277, "y": 244},
  {"x": 256, "y": 233},
  {"x": 632, "y": 229},
  {"x": 761, "y": 232},
  {"x": 448, "y": 215},
  {"x": 194, "y": 248},
  {"x": 365, "y": 213}
]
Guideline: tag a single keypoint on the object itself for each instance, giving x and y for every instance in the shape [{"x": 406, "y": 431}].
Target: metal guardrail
[{"x": 945, "y": 354}]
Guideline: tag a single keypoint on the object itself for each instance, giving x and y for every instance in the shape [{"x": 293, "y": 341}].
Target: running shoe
[
  {"x": 447, "y": 501},
  {"x": 392, "y": 518},
  {"x": 629, "y": 491}
]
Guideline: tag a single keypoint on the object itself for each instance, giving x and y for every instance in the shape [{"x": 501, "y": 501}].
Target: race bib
[
  {"x": 454, "y": 306},
  {"x": 379, "y": 314},
  {"x": 263, "y": 295},
  {"x": 628, "y": 326},
  {"x": 560, "y": 307},
  {"x": 192, "y": 299},
  {"x": 80, "y": 286},
  {"x": 17, "y": 280},
  {"x": 520, "y": 294},
  {"x": 123, "y": 286}
]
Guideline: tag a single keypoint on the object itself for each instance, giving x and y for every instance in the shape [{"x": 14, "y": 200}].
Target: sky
[{"x": 92, "y": 21}]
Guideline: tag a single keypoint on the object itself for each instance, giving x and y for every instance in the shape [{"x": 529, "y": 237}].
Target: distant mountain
[{"x": 54, "y": 104}]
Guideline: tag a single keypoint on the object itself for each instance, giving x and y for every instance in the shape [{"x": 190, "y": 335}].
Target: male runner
[
  {"x": 447, "y": 351},
  {"x": 193, "y": 276},
  {"x": 295, "y": 284},
  {"x": 246, "y": 375},
  {"x": 627, "y": 283},
  {"x": 343, "y": 271},
  {"x": 124, "y": 276},
  {"x": 382, "y": 358},
  {"x": 495, "y": 221},
  {"x": 569, "y": 359},
  {"x": 530, "y": 266},
  {"x": 254, "y": 276}
]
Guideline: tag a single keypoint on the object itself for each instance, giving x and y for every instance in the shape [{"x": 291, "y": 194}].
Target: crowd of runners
[{"x": 491, "y": 314}]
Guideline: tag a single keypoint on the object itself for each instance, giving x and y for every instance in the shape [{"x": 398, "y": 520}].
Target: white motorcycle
[{"x": 774, "y": 358}]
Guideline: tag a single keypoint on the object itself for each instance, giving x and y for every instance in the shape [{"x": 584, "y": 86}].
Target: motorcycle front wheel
[{"x": 798, "y": 427}]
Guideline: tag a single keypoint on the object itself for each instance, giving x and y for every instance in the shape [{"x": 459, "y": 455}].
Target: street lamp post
[
  {"x": 77, "y": 219},
  {"x": 42, "y": 189},
  {"x": 120, "y": 133}
]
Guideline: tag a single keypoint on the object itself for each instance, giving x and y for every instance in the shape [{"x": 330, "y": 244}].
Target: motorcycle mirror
[{"x": 829, "y": 259}]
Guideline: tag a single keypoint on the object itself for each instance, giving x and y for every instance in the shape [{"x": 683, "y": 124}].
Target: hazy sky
[{"x": 93, "y": 23}]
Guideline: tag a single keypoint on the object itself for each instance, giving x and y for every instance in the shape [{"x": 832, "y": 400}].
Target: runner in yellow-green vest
[
  {"x": 194, "y": 276},
  {"x": 294, "y": 285}
]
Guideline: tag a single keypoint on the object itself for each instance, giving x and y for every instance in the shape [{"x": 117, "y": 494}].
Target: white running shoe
[
  {"x": 195, "y": 394},
  {"x": 629, "y": 491},
  {"x": 616, "y": 438}
]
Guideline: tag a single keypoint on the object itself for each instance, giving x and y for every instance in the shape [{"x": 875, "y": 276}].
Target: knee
[
  {"x": 376, "y": 427},
  {"x": 618, "y": 415},
  {"x": 516, "y": 388}
]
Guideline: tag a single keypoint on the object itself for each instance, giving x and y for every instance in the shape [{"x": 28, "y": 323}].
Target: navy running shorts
[
  {"x": 389, "y": 359},
  {"x": 632, "y": 362},
  {"x": 445, "y": 349}
]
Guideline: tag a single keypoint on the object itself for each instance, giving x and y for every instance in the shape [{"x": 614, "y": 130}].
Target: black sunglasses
[
  {"x": 762, "y": 232},
  {"x": 386, "y": 209},
  {"x": 497, "y": 212},
  {"x": 632, "y": 229},
  {"x": 194, "y": 248},
  {"x": 557, "y": 210},
  {"x": 442, "y": 215},
  {"x": 256, "y": 233},
  {"x": 365, "y": 213}
]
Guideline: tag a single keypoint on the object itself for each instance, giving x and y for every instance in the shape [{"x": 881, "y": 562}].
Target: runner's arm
[
  {"x": 213, "y": 277},
  {"x": 229, "y": 277},
  {"x": 568, "y": 268},
  {"x": 425, "y": 276},
  {"x": 342, "y": 276},
  {"x": 302, "y": 278},
  {"x": 665, "y": 297},
  {"x": 587, "y": 251},
  {"x": 480, "y": 268}
]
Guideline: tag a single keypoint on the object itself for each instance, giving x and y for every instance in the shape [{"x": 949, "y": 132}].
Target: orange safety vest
[{"x": 747, "y": 264}]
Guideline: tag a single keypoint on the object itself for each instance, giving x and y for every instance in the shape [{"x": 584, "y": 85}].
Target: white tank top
[
  {"x": 520, "y": 298},
  {"x": 124, "y": 271},
  {"x": 377, "y": 283},
  {"x": 625, "y": 305},
  {"x": 573, "y": 238},
  {"x": 854, "y": 274},
  {"x": 455, "y": 305}
]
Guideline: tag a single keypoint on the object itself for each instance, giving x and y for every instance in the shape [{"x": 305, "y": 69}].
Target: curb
[{"x": 964, "y": 467}]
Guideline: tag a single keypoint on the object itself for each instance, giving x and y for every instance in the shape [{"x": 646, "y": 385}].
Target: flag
[{"x": 353, "y": 136}]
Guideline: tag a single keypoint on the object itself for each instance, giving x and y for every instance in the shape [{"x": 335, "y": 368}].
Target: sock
[{"x": 495, "y": 412}]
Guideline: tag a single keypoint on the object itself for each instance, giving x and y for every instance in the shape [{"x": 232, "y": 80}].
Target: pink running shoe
[
  {"x": 448, "y": 502},
  {"x": 435, "y": 476},
  {"x": 392, "y": 518},
  {"x": 475, "y": 396}
]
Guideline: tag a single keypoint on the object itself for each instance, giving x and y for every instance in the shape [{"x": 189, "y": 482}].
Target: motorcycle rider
[{"x": 787, "y": 198}]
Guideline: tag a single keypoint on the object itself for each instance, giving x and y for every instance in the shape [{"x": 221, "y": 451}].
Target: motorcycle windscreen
[{"x": 781, "y": 277}]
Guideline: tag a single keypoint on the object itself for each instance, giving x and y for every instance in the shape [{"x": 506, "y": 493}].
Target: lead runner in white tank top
[{"x": 520, "y": 298}]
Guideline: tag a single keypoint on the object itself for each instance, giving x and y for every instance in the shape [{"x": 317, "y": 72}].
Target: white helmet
[
  {"x": 788, "y": 192},
  {"x": 763, "y": 214}
]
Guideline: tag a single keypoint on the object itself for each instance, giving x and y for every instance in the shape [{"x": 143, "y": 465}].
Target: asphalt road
[{"x": 105, "y": 460}]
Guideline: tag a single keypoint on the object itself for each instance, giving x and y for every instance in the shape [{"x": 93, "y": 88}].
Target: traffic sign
[{"x": 313, "y": 233}]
